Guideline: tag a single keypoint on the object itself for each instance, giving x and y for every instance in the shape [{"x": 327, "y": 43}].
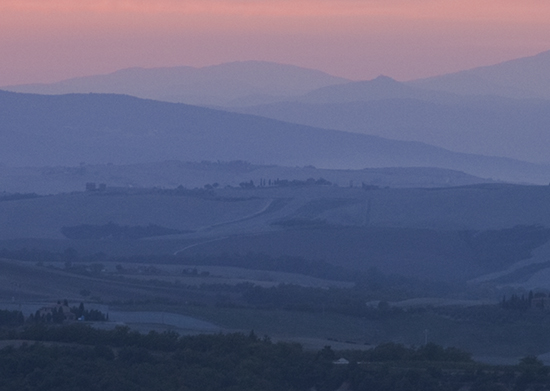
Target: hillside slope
[
  {"x": 39, "y": 130},
  {"x": 527, "y": 77},
  {"x": 449, "y": 233},
  {"x": 480, "y": 125}
]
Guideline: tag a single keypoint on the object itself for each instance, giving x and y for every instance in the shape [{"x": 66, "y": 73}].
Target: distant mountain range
[
  {"x": 236, "y": 83},
  {"x": 487, "y": 125},
  {"x": 432, "y": 111},
  {"x": 255, "y": 82},
  {"x": 487, "y": 122},
  {"x": 381, "y": 88},
  {"x": 527, "y": 77},
  {"x": 499, "y": 110},
  {"x": 64, "y": 130}
]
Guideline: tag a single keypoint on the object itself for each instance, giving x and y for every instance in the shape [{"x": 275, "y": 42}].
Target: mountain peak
[{"x": 384, "y": 78}]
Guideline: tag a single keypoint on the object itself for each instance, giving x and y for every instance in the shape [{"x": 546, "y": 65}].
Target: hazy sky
[{"x": 50, "y": 40}]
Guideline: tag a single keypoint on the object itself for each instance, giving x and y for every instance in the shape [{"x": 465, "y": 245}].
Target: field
[
  {"x": 319, "y": 264},
  {"x": 458, "y": 233},
  {"x": 150, "y": 300}
]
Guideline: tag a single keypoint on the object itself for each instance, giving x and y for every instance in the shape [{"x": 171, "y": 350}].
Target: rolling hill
[
  {"x": 498, "y": 110},
  {"x": 65, "y": 130},
  {"x": 480, "y": 125},
  {"x": 527, "y": 77},
  {"x": 380, "y": 88},
  {"x": 450, "y": 234}
]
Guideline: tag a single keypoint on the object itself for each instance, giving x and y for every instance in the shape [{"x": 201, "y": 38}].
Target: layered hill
[
  {"x": 380, "y": 88},
  {"x": 527, "y": 77},
  {"x": 448, "y": 234},
  {"x": 498, "y": 110},
  {"x": 487, "y": 125},
  {"x": 40, "y": 130},
  {"x": 225, "y": 84}
]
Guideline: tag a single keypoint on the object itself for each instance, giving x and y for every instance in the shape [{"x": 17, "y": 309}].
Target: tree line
[{"x": 123, "y": 359}]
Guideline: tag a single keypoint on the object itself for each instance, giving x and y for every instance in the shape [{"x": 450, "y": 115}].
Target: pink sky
[{"x": 50, "y": 40}]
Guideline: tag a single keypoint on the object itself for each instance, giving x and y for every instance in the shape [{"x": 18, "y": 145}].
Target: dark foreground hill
[
  {"x": 41, "y": 130},
  {"x": 64, "y": 358}
]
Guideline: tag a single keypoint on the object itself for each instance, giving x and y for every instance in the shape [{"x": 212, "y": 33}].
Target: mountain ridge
[
  {"x": 212, "y": 85},
  {"x": 525, "y": 77}
]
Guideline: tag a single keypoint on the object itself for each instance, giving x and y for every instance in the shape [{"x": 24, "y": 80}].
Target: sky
[{"x": 51, "y": 40}]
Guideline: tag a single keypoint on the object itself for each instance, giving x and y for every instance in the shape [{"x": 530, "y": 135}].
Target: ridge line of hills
[
  {"x": 497, "y": 110},
  {"x": 44, "y": 130},
  {"x": 234, "y": 83}
]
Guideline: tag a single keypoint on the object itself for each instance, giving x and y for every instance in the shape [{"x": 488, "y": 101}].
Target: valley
[{"x": 307, "y": 262}]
